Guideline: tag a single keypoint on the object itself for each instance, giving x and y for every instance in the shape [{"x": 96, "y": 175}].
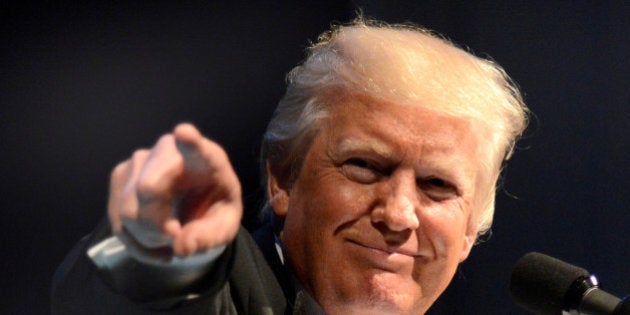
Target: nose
[{"x": 398, "y": 212}]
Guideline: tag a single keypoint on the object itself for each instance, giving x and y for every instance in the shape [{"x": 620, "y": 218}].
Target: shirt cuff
[
  {"x": 114, "y": 250},
  {"x": 131, "y": 271}
]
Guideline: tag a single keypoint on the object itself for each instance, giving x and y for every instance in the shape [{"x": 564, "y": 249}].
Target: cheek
[
  {"x": 445, "y": 227},
  {"x": 339, "y": 201}
]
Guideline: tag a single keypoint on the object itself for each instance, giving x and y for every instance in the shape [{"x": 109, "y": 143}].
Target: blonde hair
[{"x": 401, "y": 63}]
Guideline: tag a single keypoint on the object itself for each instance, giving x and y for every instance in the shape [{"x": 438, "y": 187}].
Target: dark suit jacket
[{"x": 244, "y": 280}]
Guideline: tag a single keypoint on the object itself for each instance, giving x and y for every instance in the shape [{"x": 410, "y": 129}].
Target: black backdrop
[{"x": 81, "y": 86}]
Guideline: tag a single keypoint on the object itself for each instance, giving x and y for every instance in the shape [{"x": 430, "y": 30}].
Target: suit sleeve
[{"x": 80, "y": 287}]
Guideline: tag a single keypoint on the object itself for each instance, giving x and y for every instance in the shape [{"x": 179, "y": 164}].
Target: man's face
[{"x": 379, "y": 217}]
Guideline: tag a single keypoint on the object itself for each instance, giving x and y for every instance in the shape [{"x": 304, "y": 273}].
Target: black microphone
[{"x": 549, "y": 286}]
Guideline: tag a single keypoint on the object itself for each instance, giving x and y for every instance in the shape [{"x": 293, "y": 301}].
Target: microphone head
[{"x": 541, "y": 283}]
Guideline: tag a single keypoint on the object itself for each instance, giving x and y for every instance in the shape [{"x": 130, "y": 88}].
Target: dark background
[{"x": 82, "y": 86}]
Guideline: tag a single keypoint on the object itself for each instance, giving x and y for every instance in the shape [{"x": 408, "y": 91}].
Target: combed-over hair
[{"x": 395, "y": 63}]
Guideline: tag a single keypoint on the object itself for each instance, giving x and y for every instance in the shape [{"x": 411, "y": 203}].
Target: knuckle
[
  {"x": 139, "y": 155},
  {"x": 147, "y": 186},
  {"x": 165, "y": 140},
  {"x": 119, "y": 172}
]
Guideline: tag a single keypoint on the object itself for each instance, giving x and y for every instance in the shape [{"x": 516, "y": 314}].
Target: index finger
[
  {"x": 208, "y": 176},
  {"x": 205, "y": 162}
]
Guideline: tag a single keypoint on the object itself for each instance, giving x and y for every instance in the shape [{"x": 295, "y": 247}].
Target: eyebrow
[{"x": 370, "y": 144}]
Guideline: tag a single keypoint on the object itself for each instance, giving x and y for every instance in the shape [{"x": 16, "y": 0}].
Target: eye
[
  {"x": 436, "y": 182},
  {"x": 360, "y": 170},
  {"x": 437, "y": 188}
]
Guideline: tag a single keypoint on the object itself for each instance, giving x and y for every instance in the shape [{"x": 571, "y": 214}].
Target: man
[{"x": 381, "y": 163}]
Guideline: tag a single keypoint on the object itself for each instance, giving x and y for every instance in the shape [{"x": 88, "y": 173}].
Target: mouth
[
  {"x": 389, "y": 258},
  {"x": 387, "y": 249}
]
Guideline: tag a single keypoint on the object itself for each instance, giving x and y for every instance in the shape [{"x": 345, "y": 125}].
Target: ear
[
  {"x": 469, "y": 240},
  {"x": 277, "y": 195}
]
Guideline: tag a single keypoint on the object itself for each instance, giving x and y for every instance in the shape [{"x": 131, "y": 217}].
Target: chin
[
  {"x": 382, "y": 302},
  {"x": 392, "y": 294},
  {"x": 376, "y": 308}
]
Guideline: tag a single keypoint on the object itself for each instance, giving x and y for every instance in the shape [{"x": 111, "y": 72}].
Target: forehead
[
  {"x": 360, "y": 120},
  {"x": 403, "y": 134},
  {"x": 393, "y": 135}
]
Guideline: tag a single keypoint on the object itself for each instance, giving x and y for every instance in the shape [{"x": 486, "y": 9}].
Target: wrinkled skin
[{"x": 381, "y": 213}]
